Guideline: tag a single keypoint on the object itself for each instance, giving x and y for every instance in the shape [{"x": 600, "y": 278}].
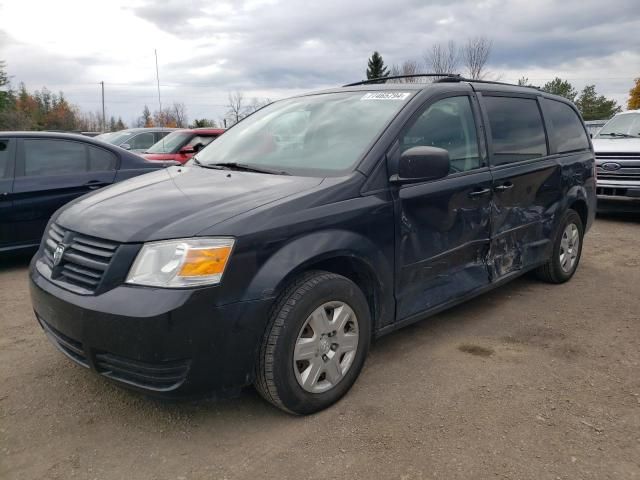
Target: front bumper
[
  {"x": 159, "y": 341},
  {"x": 618, "y": 196}
]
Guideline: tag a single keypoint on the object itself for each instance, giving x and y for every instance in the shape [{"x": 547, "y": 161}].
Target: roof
[{"x": 203, "y": 130}]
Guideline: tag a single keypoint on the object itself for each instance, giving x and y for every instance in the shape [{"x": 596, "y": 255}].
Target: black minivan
[{"x": 312, "y": 226}]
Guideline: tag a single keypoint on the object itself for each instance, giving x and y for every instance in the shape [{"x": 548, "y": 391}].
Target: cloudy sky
[{"x": 275, "y": 48}]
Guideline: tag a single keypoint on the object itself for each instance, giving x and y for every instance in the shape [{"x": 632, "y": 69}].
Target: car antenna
[{"x": 161, "y": 116}]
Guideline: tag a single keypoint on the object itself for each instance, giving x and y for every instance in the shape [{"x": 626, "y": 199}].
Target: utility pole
[{"x": 104, "y": 120}]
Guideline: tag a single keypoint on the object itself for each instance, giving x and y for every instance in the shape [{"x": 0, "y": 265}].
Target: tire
[
  {"x": 553, "y": 271},
  {"x": 297, "y": 345}
]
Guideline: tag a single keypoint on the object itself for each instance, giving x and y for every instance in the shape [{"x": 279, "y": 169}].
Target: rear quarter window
[
  {"x": 517, "y": 131},
  {"x": 567, "y": 132}
]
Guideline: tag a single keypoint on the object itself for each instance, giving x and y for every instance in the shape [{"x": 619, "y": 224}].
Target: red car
[{"x": 182, "y": 144}]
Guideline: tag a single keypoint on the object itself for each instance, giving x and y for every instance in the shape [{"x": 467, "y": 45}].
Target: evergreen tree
[
  {"x": 594, "y": 106},
  {"x": 5, "y": 88},
  {"x": 112, "y": 124},
  {"x": 120, "y": 124},
  {"x": 146, "y": 120},
  {"x": 204, "y": 123},
  {"x": 376, "y": 67},
  {"x": 557, "y": 86},
  {"x": 634, "y": 96}
]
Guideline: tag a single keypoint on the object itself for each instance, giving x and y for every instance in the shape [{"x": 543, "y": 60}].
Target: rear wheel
[
  {"x": 567, "y": 250},
  {"x": 315, "y": 345}
]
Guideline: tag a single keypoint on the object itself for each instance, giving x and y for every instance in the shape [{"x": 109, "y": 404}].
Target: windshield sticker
[{"x": 385, "y": 96}]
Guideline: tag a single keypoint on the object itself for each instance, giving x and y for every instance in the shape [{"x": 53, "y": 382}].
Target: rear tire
[
  {"x": 567, "y": 249},
  {"x": 315, "y": 344}
]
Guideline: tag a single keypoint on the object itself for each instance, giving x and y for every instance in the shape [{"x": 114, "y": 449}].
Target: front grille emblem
[
  {"x": 58, "y": 253},
  {"x": 611, "y": 166}
]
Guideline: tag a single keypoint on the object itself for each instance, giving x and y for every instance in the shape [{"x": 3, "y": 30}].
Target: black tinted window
[
  {"x": 517, "y": 131},
  {"x": 4, "y": 158},
  {"x": 101, "y": 160},
  {"x": 53, "y": 157},
  {"x": 566, "y": 127},
  {"x": 447, "y": 124}
]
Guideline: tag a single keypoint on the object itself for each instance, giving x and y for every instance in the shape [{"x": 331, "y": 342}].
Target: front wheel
[
  {"x": 315, "y": 345},
  {"x": 567, "y": 250}
]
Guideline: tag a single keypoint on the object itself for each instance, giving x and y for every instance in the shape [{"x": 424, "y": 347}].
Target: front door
[
  {"x": 50, "y": 173},
  {"x": 527, "y": 183},
  {"x": 442, "y": 226},
  {"x": 7, "y": 156}
]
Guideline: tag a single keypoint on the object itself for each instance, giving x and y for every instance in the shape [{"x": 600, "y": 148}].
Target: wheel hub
[{"x": 324, "y": 345}]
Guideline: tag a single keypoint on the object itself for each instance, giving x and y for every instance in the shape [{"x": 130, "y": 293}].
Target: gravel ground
[{"x": 531, "y": 381}]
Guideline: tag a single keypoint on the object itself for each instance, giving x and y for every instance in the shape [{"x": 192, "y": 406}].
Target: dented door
[{"x": 527, "y": 183}]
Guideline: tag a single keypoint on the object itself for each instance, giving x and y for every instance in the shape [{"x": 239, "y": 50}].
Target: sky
[{"x": 277, "y": 48}]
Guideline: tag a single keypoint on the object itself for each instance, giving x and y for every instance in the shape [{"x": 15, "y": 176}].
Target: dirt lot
[{"x": 531, "y": 381}]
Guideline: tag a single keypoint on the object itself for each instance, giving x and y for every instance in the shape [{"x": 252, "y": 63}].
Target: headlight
[{"x": 181, "y": 263}]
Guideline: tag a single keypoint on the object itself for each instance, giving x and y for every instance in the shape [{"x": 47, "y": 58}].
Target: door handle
[
  {"x": 94, "y": 184},
  {"x": 479, "y": 193},
  {"x": 504, "y": 187}
]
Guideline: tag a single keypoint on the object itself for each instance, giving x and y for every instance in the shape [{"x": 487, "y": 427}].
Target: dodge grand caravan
[{"x": 312, "y": 226}]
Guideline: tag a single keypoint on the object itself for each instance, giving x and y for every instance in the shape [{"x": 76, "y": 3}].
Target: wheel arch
[{"x": 341, "y": 252}]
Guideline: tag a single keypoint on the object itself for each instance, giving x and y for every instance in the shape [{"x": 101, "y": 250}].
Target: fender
[{"x": 303, "y": 252}]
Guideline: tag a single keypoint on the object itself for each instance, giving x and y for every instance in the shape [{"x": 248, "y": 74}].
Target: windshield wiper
[
  {"x": 244, "y": 167},
  {"x": 617, "y": 134}
]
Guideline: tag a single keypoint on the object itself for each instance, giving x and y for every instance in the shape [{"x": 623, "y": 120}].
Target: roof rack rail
[{"x": 445, "y": 77}]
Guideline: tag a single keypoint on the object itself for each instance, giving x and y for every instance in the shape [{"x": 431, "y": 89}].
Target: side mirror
[
  {"x": 419, "y": 164},
  {"x": 187, "y": 149},
  {"x": 126, "y": 146}
]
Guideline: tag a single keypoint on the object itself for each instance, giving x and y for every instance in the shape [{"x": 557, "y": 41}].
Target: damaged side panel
[{"x": 443, "y": 238}]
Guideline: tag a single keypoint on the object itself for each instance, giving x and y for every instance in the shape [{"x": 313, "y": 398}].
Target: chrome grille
[
  {"x": 629, "y": 165},
  {"x": 84, "y": 261}
]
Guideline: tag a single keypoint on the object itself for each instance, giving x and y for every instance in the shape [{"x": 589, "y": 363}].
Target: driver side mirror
[
  {"x": 126, "y": 146},
  {"x": 187, "y": 149},
  {"x": 420, "y": 164}
]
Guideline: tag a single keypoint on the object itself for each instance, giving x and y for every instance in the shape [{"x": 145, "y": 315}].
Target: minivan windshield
[
  {"x": 624, "y": 125},
  {"x": 324, "y": 134}
]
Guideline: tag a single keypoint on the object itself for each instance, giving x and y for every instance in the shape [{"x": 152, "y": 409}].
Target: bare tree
[
  {"x": 408, "y": 67},
  {"x": 179, "y": 113},
  {"x": 236, "y": 107},
  {"x": 443, "y": 58},
  {"x": 475, "y": 54},
  {"x": 256, "y": 104}
]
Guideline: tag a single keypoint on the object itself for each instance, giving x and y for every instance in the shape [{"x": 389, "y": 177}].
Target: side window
[
  {"x": 101, "y": 160},
  {"x": 447, "y": 124},
  {"x": 200, "y": 140},
  {"x": 142, "y": 141},
  {"x": 517, "y": 132},
  {"x": 161, "y": 135},
  {"x": 566, "y": 127},
  {"x": 4, "y": 158},
  {"x": 53, "y": 157}
]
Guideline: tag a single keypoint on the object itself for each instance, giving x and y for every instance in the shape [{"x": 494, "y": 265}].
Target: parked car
[
  {"x": 182, "y": 144},
  {"x": 594, "y": 126},
  {"x": 135, "y": 139},
  {"x": 617, "y": 148},
  {"x": 276, "y": 263},
  {"x": 40, "y": 172}
]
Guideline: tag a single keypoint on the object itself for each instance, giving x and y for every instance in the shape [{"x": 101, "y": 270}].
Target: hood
[
  {"x": 616, "y": 145},
  {"x": 175, "y": 202}
]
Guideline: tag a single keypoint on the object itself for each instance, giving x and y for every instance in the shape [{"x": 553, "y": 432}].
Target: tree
[
  {"x": 203, "y": 123},
  {"x": 256, "y": 104},
  {"x": 5, "y": 88},
  {"x": 179, "y": 114},
  {"x": 146, "y": 120},
  {"x": 120, "y": 124},
  {"x": 443, "y": 58},
  {"x": 112, "y": 124},
  {"x": 475, "y": 54},
  {"x": 634, "y": 96},
  {"x": 236, "y": 107},
  {"x": 557, "y": 86},
  {"x": 594, "y": 106},
  {"x": 524, "y": 82},
  {"x": 376, "y": 67},
  {"x": 408, "y": 67}
]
